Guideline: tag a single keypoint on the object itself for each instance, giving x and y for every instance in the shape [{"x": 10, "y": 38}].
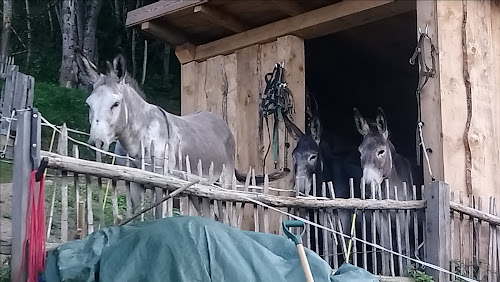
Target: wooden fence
[
  {"x": 16, "y": 92},
  {"x": 475, "y": 238},
  {"x": 85, "y": 195}
]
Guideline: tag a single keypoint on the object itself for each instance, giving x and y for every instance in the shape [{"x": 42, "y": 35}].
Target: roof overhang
[{"x": 200, "y": 29}]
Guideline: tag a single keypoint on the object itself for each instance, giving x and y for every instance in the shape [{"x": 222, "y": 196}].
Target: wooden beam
[
  {"x": 291, "y": 8},
  {"x": 431, "y": 96},
  {"x": 221, "y": 18},
  {"x": 158, "y": 9},
  {"x": 185, "y": 52},
  {"x": 168, "y": 34},
  {"x": 205, "y": 190},
  {"x": 316, "y": 23}
]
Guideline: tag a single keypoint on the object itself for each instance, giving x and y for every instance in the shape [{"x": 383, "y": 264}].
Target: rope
[
  {"x": 354, "y": 238},
  {"x": 430, "y": 265},
  {"x": 83, "y": 143}
]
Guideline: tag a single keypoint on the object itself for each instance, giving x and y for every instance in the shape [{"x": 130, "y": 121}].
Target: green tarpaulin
[{"x": 187, "y": 249}]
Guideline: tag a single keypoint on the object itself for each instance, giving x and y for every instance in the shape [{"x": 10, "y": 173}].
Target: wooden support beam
[
  {"x": 185, "y": 52},
  {"x": 316, "y": 23},
  {"x": 159, "y": 9},
  {"x": 431, "y": 96},
  {"x": 221, "y": 18},
  {"x": 437, "y": 227},
  {"x": 167, "y": 34},
  {"x": 291, "y": 8}
]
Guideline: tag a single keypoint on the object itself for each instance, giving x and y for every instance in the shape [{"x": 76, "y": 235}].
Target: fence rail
[
  {"x": 475, "y": 238},
  {"x": 87, "y": 195},
  {"x": 83, "y": 188}
]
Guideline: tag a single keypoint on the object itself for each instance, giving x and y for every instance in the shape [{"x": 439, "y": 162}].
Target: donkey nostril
[{"x": 97, "y": 121}]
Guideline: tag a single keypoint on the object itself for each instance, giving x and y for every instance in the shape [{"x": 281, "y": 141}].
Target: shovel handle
[
  {"x": 304, "y": 263},
  {"x": 297, "y": 239}
]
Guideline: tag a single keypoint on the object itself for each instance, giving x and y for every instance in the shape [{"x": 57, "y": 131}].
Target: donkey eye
[
  {"x": 381, "y": 152},
  {"x": 312, "y": 157},
  {"x": 115, "y": 105}
]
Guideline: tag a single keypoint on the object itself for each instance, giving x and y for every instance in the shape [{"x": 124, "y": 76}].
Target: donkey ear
[
  {"x": 316, "y": 129},
  {"x": 89, "y": 72},
  {"x": 119, "y": 67},
  {"x": 381, "y": 122},
  {"x": 292, "y": 128},
  {"x": 361, "y": 123}
]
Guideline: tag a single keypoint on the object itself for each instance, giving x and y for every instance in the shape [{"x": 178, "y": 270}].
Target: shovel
[{"x": 297, "y": 239}]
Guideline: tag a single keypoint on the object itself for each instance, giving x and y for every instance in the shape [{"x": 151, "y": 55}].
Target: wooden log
[
  {"x": 90, "y": 212},
  {"x": 398, "y": 233},
  {"x": 438, "y": 228},
  {"x": 127, "y": 191},
  {"x": 20, "y": 184},
  {"x": 216, "y": 193},
  {"x": 491, "y": 219},
  {"x": 101, "y": 195},
  {"x": 76, "y": 155},
  {"x": 363, "y": 227},
  {"x": 374, "y": 221},
  {"x": 63, "y": 150}
]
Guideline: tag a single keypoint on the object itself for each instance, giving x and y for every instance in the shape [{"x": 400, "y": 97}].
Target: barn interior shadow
[{"x": 366, "y": 67}]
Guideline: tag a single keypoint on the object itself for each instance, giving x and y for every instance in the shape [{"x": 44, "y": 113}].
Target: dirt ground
[{"x": 5, "y": 208}]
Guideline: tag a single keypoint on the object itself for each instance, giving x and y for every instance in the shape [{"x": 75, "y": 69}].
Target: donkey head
[
  {"x": 376, "y": 150},
  {"x": 108, "y": 112},
  {"x": 306, "y": 155}
]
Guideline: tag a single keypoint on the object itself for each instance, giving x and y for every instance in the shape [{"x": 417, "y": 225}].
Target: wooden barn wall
[
  {"x": 231, "y": 86},
  {"x": 444, "y": 99}
]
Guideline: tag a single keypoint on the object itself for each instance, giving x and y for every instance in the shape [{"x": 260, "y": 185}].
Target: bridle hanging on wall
[
  {"x": 425, "y": 72},
  {"x": 277, "y": 101}
]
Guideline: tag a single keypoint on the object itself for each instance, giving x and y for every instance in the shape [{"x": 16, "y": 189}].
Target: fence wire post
[
  {"x": 437, "y": 228},
  {"x": 27, "y": 144}
]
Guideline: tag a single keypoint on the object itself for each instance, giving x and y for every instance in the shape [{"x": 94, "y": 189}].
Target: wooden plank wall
[
  {"x": 483, "y": 52},
  {"x": 231, "y": 86}
]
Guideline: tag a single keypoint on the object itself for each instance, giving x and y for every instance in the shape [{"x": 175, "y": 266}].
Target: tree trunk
[
  {"x": 80, "y": 8},
  {"x": 134, "y": 45},
  {"x": 28, "y": 25},
  {"x": 144, "y": 62},
  {"x": 118, "y": 11},
  {"x": 67, "y": 75},
  {"x": 166, "y": 61},
  {"x": 89, "y": 42},
  {"x": 7, "y": 16},
  {"x": 51, "y": 24},
  {"x": 134, "y": 60}
]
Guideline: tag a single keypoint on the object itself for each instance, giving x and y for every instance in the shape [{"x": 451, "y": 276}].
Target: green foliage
[
  {"x": 419, "y": 275},
  {"x": 5, "y": 172},
  {"x": 62, "y": 105},
  {"x": 5, "y": 270}
]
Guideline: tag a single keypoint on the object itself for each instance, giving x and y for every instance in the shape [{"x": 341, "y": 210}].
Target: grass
[
  {"x": 419, "y": 275},
  {"x": 5, "y": 271},
  {"x": 103, "y": 217},
  {"x": 5, "y": 172}
]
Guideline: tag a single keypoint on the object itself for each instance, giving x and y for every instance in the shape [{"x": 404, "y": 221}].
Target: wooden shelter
[{"x": 226, "y": 47}]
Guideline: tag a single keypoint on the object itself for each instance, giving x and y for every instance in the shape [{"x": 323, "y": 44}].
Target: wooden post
[
  {"x": 23, "y": 146},
  {"x": 437, "y": 216}
]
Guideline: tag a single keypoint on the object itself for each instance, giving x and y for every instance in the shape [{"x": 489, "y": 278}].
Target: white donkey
[{"x": 119, "y": 113}]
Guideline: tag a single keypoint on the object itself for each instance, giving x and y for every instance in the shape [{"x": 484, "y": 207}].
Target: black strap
[
  {"x": 425, "y": 72},
  {"x": 276, "y": 101}
]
